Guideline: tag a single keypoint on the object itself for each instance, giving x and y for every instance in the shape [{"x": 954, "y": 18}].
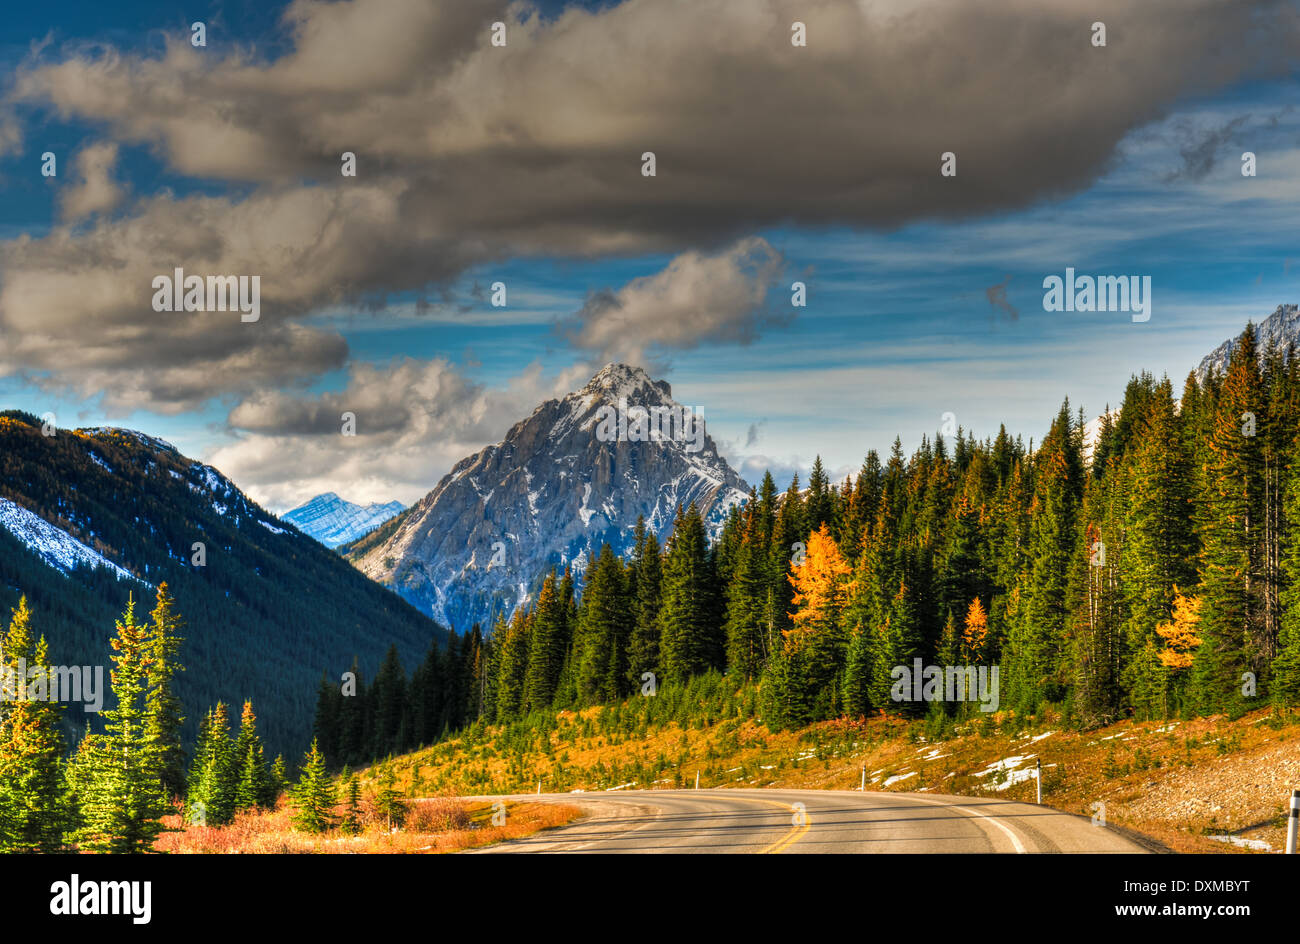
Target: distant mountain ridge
[
  {"x": 335, "y": 521},
  {"x": 563, "y": 481},
  {"x": 90, "y": 516}
]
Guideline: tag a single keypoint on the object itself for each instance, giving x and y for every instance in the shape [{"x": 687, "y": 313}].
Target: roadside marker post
[
  {"x": 1038, "y": 778},
  {"x": 1293, "y": 823},
  {"x": 863, "y": 788},
  {"x": 697, "y": 780}
]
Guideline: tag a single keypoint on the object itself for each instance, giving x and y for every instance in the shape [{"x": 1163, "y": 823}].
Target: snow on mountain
[
  {"x": 55, "y": 546},
  {"x": 1282, "y": 328},
  {"x": 563, "y": 482},
  {"x": 335, "y": 521}
]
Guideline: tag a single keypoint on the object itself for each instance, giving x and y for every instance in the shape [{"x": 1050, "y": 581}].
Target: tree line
[{"x": 1151, "y": 571}]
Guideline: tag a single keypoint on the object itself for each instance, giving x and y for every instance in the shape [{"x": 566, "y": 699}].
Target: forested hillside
[
  {"x": 1158, "y": 578},
  {"x": 266, "y": 612}
]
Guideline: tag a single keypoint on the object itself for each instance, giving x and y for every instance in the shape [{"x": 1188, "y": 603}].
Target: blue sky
[{"x": 898, "y": 330}]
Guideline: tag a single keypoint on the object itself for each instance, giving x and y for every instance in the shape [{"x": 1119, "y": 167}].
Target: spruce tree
[
  {"x": 388, "y": 802},
  {"x": 603, "y": 621},
  {"x": 215, "y": 775},
  {"x": 313, "y": 796},
  {"x": 124, "y": 798},
  {"x": 1230, "y": 523},
  {"x": 746, "y": 595},
  {"x": 275, "y": 783},
  {"x": 644, "y": 642},
  {"x": 251, "y": 784},
  {"x": 33, "y": 812},
  {"x": 512, "y": 670},
  {"x": 692, "y": 635},
  {"x": 547, "y": 646},
  {"x": 351, "y": 821},
  {"x": 165, "y": 716}
]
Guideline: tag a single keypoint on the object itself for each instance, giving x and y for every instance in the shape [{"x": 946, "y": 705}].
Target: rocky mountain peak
[
  {"x": 1282, "y": 328},
  {"x": 615, "y": 381},
  {"x": 573, "y": 475}
]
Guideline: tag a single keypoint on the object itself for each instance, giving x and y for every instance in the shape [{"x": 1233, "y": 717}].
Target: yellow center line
[{"x": 796, "y": 833}]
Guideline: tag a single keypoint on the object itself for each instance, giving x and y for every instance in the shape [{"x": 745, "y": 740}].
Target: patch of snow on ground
[{"x": 1245, "y": 843}]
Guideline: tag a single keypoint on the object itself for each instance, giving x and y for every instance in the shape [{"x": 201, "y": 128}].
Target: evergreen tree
[
  {"x": 123, "y": 798},
  {"x": 275, "y": 783},
  {"x": 32, "y": 808},
  {"x": 547, "y": 645},
  {"x": 692, "y": 638},
  {"x": 513, "y": 669},
  {"x": 602, "y": 659},
  {"x": 251, "y": 785},
  {"x": 313, "y": 796},
  {"x": 214, "y": 775},
  {"x": 647, "y": 574},
  {"x": 388, "y": 802},
  {"x": 1038, "y": 638},
  {"x": 389, "y": 699},
  {"x": 746, "y": 594},
  {"x": 163, "y": 704},
  {"x": 351, "y": 821},
  {"x": 1230, "y": 523}
]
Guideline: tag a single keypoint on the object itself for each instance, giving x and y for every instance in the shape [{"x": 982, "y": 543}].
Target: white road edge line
[{"x": 1015, "y": 840}]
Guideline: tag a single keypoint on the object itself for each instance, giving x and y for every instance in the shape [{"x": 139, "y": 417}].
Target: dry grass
[{"x": 436, "y": 824}]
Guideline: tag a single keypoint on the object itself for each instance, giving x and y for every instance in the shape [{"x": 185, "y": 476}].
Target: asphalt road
[{"x": 836, "y": 821}]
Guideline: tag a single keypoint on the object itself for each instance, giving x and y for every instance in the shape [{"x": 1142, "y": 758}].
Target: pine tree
[
  {"x": 513, "y": 669},
  {"x": 788, "y": 532},
  {"x": 819, "y": 507},
  {"x": 1038, "y": 638},
  {"x": 692, "y": 640},
  {"x": 547, "y": 646},
  {"x": 123, "y": 799},
  {"x": 313, "y": 796},
  {"x": 746, "y": 593},
  {"x": 252, "y": 785},
  {"x": 388, "y": 802},
  {"x": 164, "y": 707},
  {"x": 214, "y": 775},
  {"x": 351, "y": 821},
  {"x": 1286, "y": 664},
  {"x": 602, "y": 657},
  {"x": 326, "y": 725},
  {"x": 1230, "y": 523},
  {"x": 389, "y": 698},
  {"x": 355, "y": 721},
  {"x": 643, "y": 644},
  {"x": 32, "y": 808},
  {"x": 276, "y": 780}
]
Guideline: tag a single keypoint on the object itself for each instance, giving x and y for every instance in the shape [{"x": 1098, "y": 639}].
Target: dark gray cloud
[{"x": 469, "y": 153}]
